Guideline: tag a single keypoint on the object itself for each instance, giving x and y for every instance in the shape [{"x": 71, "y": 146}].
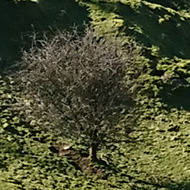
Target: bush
[{"x": 75, "y": 85}]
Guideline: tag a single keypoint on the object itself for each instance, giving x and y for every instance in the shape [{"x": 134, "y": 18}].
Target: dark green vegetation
[
  {"x": 20, "y": 20},
  {"x": 159, "y": 156}
]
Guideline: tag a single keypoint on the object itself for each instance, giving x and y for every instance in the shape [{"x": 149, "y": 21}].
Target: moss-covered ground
[{"x": 157, "y": 157}]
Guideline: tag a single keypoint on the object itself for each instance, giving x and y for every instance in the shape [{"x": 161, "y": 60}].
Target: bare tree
[{"x": 75, "y": 85}]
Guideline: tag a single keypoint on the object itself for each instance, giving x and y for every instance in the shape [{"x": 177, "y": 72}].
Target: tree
[{"x": 75, "y": 85}]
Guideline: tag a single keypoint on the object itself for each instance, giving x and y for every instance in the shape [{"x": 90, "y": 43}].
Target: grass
[{"x": 159, "y": 156}]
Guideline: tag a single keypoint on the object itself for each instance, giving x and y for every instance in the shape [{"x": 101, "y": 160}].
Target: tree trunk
[{"x": 93, "y": 152}]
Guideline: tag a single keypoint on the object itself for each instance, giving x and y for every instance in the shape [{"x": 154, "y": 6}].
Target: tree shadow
[
  {"x": 171, "y": 37},
  {"x": 176, "y": 96},
  {"x": 181, "y": 186},
  {"x": 165, "y": 186},
  {"x": 18, "y": 20},
  {"x": 151, "y": 27},
  {"x": 175, "y": 4}
]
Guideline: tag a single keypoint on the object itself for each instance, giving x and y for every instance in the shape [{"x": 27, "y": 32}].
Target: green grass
[{"x": 159, "y": 156}]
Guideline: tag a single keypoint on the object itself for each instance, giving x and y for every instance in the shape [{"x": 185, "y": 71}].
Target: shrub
[{"x": 75, "y": 85}]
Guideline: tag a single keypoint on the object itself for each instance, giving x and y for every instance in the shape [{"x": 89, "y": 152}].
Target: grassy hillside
[
  {"x": 158, "y": 155},
  {"x": 19, "y": 21}
]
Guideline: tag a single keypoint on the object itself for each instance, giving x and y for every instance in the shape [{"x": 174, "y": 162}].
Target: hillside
[{"x": 157, "y": 157}]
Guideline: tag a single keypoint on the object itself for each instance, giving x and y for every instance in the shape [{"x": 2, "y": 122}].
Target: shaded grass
[
  {"x": 156, "y": 27},
  {"x": 21, "y": 19}
]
